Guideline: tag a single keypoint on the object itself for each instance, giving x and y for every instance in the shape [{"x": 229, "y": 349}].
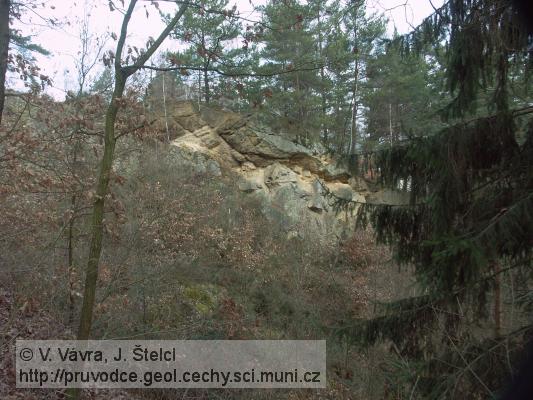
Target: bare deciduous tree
[
  {"x": 122, "y": 73},
  {"x": 4, "y": 49}
]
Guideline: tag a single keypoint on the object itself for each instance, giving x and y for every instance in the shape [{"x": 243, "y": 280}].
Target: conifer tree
[
  {"x": 289, "y": 45},
  {"x": 209, "y": 31},
  {"x": 19, "y": 58},
  {"x": 469, "y": 215},
  {"x": 403, "y": 98},
  {"x": 363, "y": 32},
  {"x": 351, "y": 41}
]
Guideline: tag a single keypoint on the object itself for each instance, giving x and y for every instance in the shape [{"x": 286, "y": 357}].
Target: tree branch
[
  {"x": 234, "y": 74},
  {"x": 123, "y": 34},
  {"x": 152, "y": 49}
]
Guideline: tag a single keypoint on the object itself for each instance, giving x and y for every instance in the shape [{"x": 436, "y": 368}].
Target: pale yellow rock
[
  {"x": 286, "y": 178},
  {"x": 248, "y": 166}
]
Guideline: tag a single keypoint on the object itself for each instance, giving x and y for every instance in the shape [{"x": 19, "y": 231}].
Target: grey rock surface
[{"x": 286, "y": 179}]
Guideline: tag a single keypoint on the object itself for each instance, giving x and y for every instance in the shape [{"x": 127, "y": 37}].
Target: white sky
[{"x": 64, "y": 43}]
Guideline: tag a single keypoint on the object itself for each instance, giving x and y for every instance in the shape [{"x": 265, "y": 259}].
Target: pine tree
[
  {"x": 209, "y": 32},
  {"x": 351, "y": 43},
  {"x": 339, "y": 56},
  {"x": 103, "y": 84},
  {"x": 363, "y": 33},
  {"x": 19, "y": 59},
  {"x": 403, "y": 98},
  {"x": 289, "y": 46}
]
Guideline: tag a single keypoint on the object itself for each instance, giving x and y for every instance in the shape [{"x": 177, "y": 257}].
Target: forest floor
[{"x": 29, "y": 321}]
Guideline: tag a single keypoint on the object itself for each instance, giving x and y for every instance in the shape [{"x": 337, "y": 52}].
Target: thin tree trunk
[
  {"x": 199, "y": 87},
  {"x": 70, "y": 261},
  {"x": 300, "y": 114},
  {"x": 91, "y": 276},
  {"x": 4, "y": 50},
  {"x": 355, "y": 108},
  {"x": 73, "y": 202},
  {"x": 165, "y": 108},
  {"x": 355, "y": 105},
  {"x": 106, "y": 166},
  {"x": 205, "y": 68},
  {"x": 344, "y": 132},
  {"x": 497, "y": 300},
  {"x": 322, "y": 80},
  {"x": 206, "y": 85},
  {"x": 98, "y": 210},
  {"x": 390, "y": 124}
]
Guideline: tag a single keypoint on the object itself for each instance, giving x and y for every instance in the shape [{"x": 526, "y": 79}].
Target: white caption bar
[{"x": 171, "y": 364}]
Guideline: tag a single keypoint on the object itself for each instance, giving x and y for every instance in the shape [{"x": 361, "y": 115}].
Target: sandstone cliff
[{"x": 288, "y": 178}]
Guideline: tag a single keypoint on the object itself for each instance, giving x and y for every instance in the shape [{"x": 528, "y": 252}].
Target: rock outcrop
[{"x": 288, "y": 178}]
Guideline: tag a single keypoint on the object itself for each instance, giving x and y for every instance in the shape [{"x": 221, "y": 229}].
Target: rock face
[
  {"x": 287, "y": 178},
  {"x": 263, "y": 148}
]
